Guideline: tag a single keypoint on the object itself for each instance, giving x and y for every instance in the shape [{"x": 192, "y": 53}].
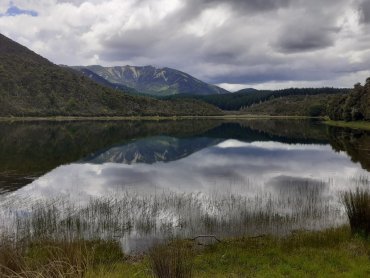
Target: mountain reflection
[
  {"x": 152, "y": 149},
  {"x": 30, "y": 150},
  {"x": 244, "y": 168}
]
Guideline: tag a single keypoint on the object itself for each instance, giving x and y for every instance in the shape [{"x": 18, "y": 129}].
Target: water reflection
[
  {"x": 151, "y": 180},
  {"x": 229, "y": 162}
]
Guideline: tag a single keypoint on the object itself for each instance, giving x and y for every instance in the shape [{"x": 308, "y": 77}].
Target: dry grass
[
  {"x": 55, "y": 259},
  {"x": 171, "y": 261}
]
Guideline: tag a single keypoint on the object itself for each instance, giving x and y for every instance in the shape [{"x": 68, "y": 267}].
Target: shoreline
[
  {"x": 148, "y": 118},
  {"x": 362, "y": 125}
]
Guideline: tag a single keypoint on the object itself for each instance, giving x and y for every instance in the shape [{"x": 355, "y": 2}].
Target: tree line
[{"x": 354, "y": 106}]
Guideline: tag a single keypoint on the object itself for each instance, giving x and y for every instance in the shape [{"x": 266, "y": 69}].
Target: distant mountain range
[
  {"x": 30, "y": 85},
  {"x": 151, "y": 80}
]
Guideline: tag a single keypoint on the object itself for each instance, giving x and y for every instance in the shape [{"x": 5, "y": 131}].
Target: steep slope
[
  {"x": 100, "y": 80},
  {"x": 154, "y": 81},
  {"x": 30, "y": 85}
]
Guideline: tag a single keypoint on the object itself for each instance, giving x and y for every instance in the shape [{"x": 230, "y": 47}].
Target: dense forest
[
  {"x": 352, "y": 107},
  {"x": 245, "y": 98},
  {"x": 294, "y": 105}
]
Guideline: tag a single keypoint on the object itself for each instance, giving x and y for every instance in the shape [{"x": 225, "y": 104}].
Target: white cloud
[{"x": 258, "y": 44}]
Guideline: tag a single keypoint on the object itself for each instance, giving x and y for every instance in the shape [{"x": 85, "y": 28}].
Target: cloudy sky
[{"x": 234, "y": 43}]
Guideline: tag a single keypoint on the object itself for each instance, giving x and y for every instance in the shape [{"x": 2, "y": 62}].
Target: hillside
[
  {"x": 247, "y": 97},
  {"x": 296, "y": 105},
  {"x": 155, "y": 81},
  {"x": 30, "y": 85},
  {"x": 352, "y": 107}
]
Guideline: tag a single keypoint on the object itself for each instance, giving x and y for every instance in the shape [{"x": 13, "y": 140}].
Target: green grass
[
  {"x": 330, "y": 253},
  {"x": 354, "y": 125}
]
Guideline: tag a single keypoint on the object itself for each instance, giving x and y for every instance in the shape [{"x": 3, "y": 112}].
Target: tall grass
[
  {"x": 169, "y": 214},
  {"x": 129, "y": 216},
  {"x": 171, "y": 261},
  {"x": 55, "y": 259},
  {"x": 357, "y": 205}
]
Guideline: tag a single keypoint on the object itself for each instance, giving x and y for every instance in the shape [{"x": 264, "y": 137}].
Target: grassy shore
[
  {"x": 354, "y": 125},
  {"x": 42, "y": 246},
  {"x": 329, "y": 253}
]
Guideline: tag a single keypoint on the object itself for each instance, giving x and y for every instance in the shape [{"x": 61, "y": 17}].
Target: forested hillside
[
  {"x": 30, "y": 85},
  {"x": 296, "y": 105},
  {"x": 245, "y": 98},
  {"x": 352, "y": 107}
]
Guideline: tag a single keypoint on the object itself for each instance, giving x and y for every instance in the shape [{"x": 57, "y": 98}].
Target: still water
[{"x": 144, "y": 181}]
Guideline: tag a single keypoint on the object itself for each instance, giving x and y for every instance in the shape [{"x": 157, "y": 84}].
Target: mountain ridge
[
  {"x": 30, "y": 85},
  {"x": 154, "y": 81}
]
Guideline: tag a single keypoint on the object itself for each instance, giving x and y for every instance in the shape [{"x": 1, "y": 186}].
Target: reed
[
  {"x": 55, "y": 259},
  {"x": 357, "y": 205},
  {"x": 171, "y": 261}
]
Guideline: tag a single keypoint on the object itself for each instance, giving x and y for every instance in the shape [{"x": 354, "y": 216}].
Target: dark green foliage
[
  {"x": 296, "y": 105},
  {"x": 316, "y": 110},
  {"x": 248, "y": 97},
  {"x": 32, "y": 86},
  {"x": 352, "y": 107}
]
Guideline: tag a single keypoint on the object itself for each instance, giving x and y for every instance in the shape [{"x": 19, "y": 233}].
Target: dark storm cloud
[
  {"x": 365, "y": 11},
  {"x": 305, "y": 38}
]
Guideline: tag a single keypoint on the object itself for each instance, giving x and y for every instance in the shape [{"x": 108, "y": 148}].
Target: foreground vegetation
[
  {"x": 52, "y": 243},
  {"x": 333, "y": 252},
  {"x": 306, "y": 254}
]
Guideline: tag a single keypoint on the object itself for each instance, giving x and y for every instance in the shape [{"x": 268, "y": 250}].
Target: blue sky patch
[{"x": 14, "y": 11}]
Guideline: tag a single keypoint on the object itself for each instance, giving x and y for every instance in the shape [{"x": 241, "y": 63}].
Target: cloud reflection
[{"x": 244, "y": 168}]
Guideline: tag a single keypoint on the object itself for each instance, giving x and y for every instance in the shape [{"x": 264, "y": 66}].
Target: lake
[{"x": 144, "y": 181}]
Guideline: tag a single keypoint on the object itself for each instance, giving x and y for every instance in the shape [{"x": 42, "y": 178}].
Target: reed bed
[
  {"x": 169, "y": 215},
  {"x": 62, "y": 237}
]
